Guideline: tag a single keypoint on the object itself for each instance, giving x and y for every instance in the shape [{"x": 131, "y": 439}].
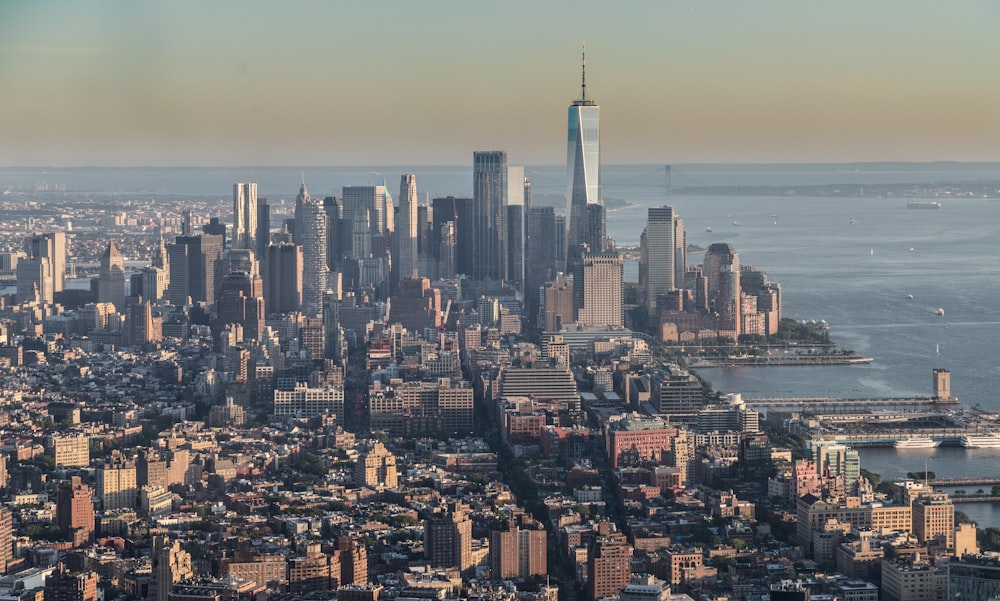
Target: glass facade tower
[{"x": 583, "y": 178}]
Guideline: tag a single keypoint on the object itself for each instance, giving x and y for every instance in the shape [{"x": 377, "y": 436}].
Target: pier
[{"x": 833, "y": 405}]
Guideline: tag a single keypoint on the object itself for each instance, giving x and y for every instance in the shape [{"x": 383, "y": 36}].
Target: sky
[{"x": 342, "y": 82}]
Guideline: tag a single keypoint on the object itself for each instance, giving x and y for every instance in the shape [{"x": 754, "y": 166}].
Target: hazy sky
[{"x": 427, "y": 82}]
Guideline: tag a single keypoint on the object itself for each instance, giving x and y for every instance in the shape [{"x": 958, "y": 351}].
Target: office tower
[
  {"x": 459, "y": 212},
  {"x": 52, "y": 246},
  {"x": 187, "y": 223},
  {"x": 215, "y": 227},
  {"x": 515, "y": 218},
  {"x": 63, "y": 585},
  {"x": 335, "y": 232},
  {"x": 34, "y": 280},
  {"x": 376, "y": 467},
  {"x": 598, "y": 290},
  {"x": 170, "y": 564},
  {"x": 263, "y": 235},
  {"x": 245, "y": 215},
  {"x": 74, "y": 508},
  {"x": 556, "y": 301},
  {"x": 657, "y": 269},
  {"x": 596, "y": 235},
  {"x": 306, "y": 401},
  {"x": 192, "y": 268},
  {"x": 334, "y": 342},
  {"x": 116, "y": 486},
  {"x": 371, "y": 200},
  {"x": 416, "y": 305},
  {"x": 680, "y": 251},
  {"x": 406, "y": 234},
  {"x": 608, "y": 564},
  {"x": 282, "y": 274},
  {"x": 6, "y": 538},
  {"x": 974, "y": 576},
  {"x": 241, "y": 301},
  {"x": 111, "y": 278},
  {"x": 448, "y": 538},
  {"x": 489, "y": 184},
  {"x": 312, "y": 235},
  {"x": 540, "y": 255},
  {"x": 447, "y": 258},
  {"x": 141, "y": 327},
  {"x": 716, "y": 256},
  {"x": 583, "y": 163}
]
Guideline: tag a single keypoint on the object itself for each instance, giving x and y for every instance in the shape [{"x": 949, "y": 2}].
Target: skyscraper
[
  {"x": 598, "y": 290},
  {"x": 489, "y": 180},
  {"x": 370, "y": 202},
  {"x": 583, "y": 162},
  {"x": 51, "y": 245},
  {"x": 192, "y": 268},
  {"x": 111, "y": 279},
  {"x": 407, "y": 231},
  {"x": 311, "y": 233},
  {"x": 657, "y": 266},
  {"x": 245, "y": 215},
  {"x": 282, "y": 273},
  {"x": 516, "y": 216}
]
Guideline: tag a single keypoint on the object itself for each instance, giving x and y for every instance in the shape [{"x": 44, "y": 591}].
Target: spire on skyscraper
[{"x": 583, "y": 75}]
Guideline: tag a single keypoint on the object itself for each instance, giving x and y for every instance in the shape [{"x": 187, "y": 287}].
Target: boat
[
  {"x": 916, "y": 442},
  {"x": 708, "y": 229},
  {"x": 854, "y": 221},
  {"x": 871, "y": 252},
  {"x": 736, "y": 223},
  {"x": 990, "y": 440},
  {"x": 923, "y": 204},
  {"x": 940, "y": 311},
  {"x": 909, "y": 297}
]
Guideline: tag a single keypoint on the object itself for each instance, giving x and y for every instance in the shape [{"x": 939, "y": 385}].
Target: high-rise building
[
  {"x": 371, "y": 202},
  {"x": 74, "y": 508},
  {"x": 459, "y": 213},
  {"x": 116, "y": 487},
  {"x": 170, "y": 564},
  {"x": 583, "y": 165},
  {"x": 263, "y": 236},
  {"x": 416, "y": 305},
  {"x": 722, "y": 271},
  {"x": 489, "y": 213},
  {"x": 608, "y": 564},
  {"x": 515, "y": 221},
  {"x": 518, "y": 549},
  {"x": 406, "y": 233},
  {"x": 245, "y": 214},
  {"x": 448, "y": 538},
  {"x": 376, "y": 467},
  {"x": 192, "y": 268},
  {"x": 111, "y": 278},
  {"x": 540, "y": 254},
  {"x": 282, "y": 275},
  {"x": 141, "y": 326},
  {"x": 241, "y": 301},
  {"x": 63, "y": 585},
  {"x": 657, "y": 272},
  {"x": 598, "y": 291},
  {"x": 316, "y": 571},
  {"x": 6, "y": 538},
  {"x": 934, "y": 516},
  {"x": 311, "y": 233},
  {"x": 52, "y": 246}
]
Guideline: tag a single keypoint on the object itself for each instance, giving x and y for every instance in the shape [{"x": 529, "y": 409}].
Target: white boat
[
  {"x": 708, "y": 229},
  {"x": 940, "y": 311},
  {"x": 981, "y": 441},
  {"x": 916, "y": 442},
  {"x": 909, "y": 297}
]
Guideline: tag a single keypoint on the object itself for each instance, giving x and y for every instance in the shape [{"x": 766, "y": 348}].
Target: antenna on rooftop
[{"x": 583, "y": 74}]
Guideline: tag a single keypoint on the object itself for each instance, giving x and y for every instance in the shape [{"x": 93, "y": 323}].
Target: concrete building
[
  {"x": 63, "y": 585},
  {"x": 974, "y": 576},
  {"x": 376, "y": 467},
  {"x": 170, "y": 564},
  {"x": 609, "y": 567},
  {"x": 448, "y": 538},
  {"x": 597, "y": 289},
  {"x": 111, "y": 278},
  {"x": 116, "y": 483}
]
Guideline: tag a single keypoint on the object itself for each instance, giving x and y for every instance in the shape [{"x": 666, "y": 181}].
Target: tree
[{"x": 928, "y": 475}]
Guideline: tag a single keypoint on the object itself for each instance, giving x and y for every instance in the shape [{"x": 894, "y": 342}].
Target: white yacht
[
  {"x": 990, "y": 440},
  {"x": 916, "y": 442}
]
